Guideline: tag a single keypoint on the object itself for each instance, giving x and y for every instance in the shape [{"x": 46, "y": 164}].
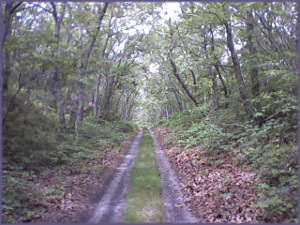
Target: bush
[{"x": 124, "y": 126}]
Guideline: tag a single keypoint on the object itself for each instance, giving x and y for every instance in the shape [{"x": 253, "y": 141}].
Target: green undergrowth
[
  {"x": 34, "y": 145},
  {"x": 144, "y": 199},
  {"x": 270, "y": 148}
]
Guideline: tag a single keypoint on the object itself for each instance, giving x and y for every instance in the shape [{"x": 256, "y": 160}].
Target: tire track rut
[
  {"x": 112, "y": 204},
  {"x": 174, "y": 209}
]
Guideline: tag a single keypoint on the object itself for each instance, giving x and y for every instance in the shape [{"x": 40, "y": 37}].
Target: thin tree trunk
[
  {"x": 57, "y": 88},
  {"x": 215, "y": 86},
  {"x": 180, "y": 107},
  {"x": 80, "y": 95},
  {"x": 237, "y": 69},
  {"x": 212, "y": 75},
  {"x": 10, "y": 9},
  {"x": 46, "y": 103},
  {"x": 194, "y": 80},
  {"x": 224, "y": 86},
  {"x": 252, "y": 45},
  {"x": 108, "y": 90},
  {"x": 84, "y": 63},
  {"x": 182, "y": 83},
  {"x": 119, "y": 99},
  {"x": 6, "y": 73},
  {"x": 96, "y": 97},
  {"x": 73, "y": 116},
  {"x": 60, "y": 105}
]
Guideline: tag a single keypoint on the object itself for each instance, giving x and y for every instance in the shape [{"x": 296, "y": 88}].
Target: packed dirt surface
[
  {"x": 215, "y": 188},
  {"x": 174, "y": 209},
  {"x": 112, "y": 204}
]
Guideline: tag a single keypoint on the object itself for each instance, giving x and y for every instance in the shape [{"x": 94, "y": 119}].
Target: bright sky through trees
[{"x": 170, "y": 10}]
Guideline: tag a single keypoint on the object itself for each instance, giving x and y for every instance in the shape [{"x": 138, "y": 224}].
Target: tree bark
[
  {"x": 57, "y": 88},
  {"x": 108, "y": 91},
  {"x": 224, "y": 86},
  {"x": 252, "y": 45},
  {"x": 59, "y": 104},
  {"x": 237, "y": 69},
  {"x": 96, "y": 97},
  {"x": 194, "y": 80},
  {"x": 6, "y": 73},
  {"x": 175, "y": 72},
  {"x": 212, "y": 75},
  {"x": 10, "y": 10},
  {"x": 180, "y": 106}
]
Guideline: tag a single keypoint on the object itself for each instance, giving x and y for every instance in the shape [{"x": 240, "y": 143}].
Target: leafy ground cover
[
  {"x": 215, "y": 188},
  {"x": 145, "y": 196},
  {"x": 52, "y": 173},
  {"x": 235, "y": 171}
]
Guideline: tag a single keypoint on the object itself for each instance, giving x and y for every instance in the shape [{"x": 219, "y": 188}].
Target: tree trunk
[
  {"x": 179, "y": 102},
  {"x": 182, "y": 83},
  {"x": 127, "y": 107},
  {"x": 212, "y": 75},
  {"x": 10, "y": 9},
  {"x": 215, "y": 87},
  {"x": 224, "y": 86},
  {"x": 6, "y": 73},
  {"x": 194, "y": 80},
  {"x": 73, "y": 116},
  {"x": 108, "y": 91},
  {"x": 237, "y": 70},
  {"x": 80, "y": 102},
  {"x": 252, "y": 45},
  {"x": 83, "y": 64},
  {"x": 57, "y": 88},
  {"x": 59, "y": 104},
  {"x": 96, "y": 98}
]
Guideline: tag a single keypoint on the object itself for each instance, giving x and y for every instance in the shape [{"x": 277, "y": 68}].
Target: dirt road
[
  {"x": 174, "y": 209},
  {"x": 112, "y": 203}
]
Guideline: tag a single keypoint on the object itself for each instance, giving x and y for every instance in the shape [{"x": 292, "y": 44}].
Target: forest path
[
  {"x": 111, "y": 206},
  {"x": 174, "y": 209},
  {"x": 113, "y": 203}
]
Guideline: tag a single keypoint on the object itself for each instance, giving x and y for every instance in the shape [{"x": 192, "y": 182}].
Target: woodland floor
[
  {"x": 83, "y": 193},
  {"x": 213, "y": 189}
]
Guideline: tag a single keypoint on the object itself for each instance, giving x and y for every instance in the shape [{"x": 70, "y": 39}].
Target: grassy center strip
[{"x": 144, "y": 201}]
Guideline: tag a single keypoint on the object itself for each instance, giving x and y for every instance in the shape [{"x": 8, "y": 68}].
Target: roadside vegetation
[
  {"x": 42, "y": 161},
  {"x": 213, "y": 139},
  {"x": 144, "y": 201}
]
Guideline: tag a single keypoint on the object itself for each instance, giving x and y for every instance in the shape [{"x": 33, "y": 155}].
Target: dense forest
[{"x": 79, "y": 78}]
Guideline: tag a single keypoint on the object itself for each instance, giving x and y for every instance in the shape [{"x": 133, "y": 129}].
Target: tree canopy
[{"x": 101, "y": 62}]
